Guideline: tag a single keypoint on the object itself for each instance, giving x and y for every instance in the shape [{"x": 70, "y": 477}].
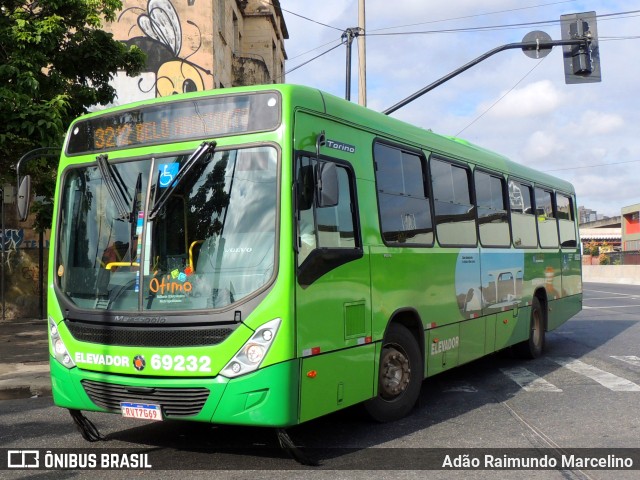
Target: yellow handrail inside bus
[
  {"x": 193, "y": 244},
  {"x": 110, "y": 265}
]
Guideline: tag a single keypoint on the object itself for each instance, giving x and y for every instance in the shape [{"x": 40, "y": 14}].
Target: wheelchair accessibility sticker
[{"x": 167, "y": 173}]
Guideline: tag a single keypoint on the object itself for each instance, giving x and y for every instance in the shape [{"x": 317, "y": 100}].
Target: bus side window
[
  {"x": 455, "y": 214},
  {"x": 523, "y": 220},
  {"x": 545, "y": 213},
  {"x": 403, "y": 201},
  {"x": 566, "y": 221},
  {"x": 492, "y": 210}
]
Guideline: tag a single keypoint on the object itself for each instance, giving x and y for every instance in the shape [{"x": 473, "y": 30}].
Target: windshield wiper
[
  {"x": 199, "y": 153},
  {"x": 115, "y": 186},
  {"x": 133, "y": 214}
]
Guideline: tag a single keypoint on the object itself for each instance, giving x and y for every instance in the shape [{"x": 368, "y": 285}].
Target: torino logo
[{"x": 343, "y": 147}]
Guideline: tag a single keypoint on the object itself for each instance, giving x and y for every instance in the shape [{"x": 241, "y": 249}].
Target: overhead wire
[
  {"x": 314, "y": 58},
  {"x": 312, "y": 20},
  {"x": 476, "y": 15},
  {"x": 499, "y": 99},
  {"x": 529, "y": 72},
  {"x": 313, "y": 49},
  {"x": 387, "y": 28},
  {"x": 494, "y": 28},
  {"x": 602, "y": 17},
  {"x": 592, "y": 166},
  {"x": 453, "y": 30}
]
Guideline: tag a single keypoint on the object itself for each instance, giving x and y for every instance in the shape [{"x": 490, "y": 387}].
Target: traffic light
[{"x": 581, "y": 62}]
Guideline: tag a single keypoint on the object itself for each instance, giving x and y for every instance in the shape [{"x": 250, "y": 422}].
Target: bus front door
[{"x": 333, "y": 300}]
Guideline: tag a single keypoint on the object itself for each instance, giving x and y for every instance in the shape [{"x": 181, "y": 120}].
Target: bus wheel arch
[
  {"x": 534, "y": 345},
  {"x": 401, "y": 369}
]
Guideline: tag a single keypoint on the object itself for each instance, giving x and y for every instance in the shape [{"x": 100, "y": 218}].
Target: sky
[{"x": 588, "y": 134}]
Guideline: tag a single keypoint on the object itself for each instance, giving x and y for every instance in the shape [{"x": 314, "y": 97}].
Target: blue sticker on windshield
[{"x": 167, "y": 173}]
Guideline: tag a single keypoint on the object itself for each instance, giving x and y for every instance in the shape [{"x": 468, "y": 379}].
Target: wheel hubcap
[{"x": 395, "y": 372}]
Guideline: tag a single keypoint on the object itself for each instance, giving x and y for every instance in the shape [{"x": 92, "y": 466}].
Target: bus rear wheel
[
  {"x": 532, "y": 347},
  {"x": 399, "y": 376}
]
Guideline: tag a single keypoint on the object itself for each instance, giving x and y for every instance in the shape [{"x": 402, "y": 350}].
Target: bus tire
[
  {"x": 532, "y": 348},
  {"x": 400, "y": 376}
]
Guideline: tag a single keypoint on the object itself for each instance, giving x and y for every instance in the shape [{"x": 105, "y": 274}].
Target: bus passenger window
[
  {"x": 492, "y": 210},
  {"x": 523, "y": 220},
  {"x": 566, "y": 221},
  {"x": 547, "y": 226},
  {"x": 405, "y": 214},
  {"x": 455, "y": 215}
]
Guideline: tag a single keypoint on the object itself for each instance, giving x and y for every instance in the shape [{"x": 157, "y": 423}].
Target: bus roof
[
  {"x": 373, "y": 121},
  {"x": 452, "y": 147}
]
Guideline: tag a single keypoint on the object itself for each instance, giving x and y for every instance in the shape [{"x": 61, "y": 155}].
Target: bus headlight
[
  {"x": 58, "y": 347},
  {"x": 253, "y": 352}
]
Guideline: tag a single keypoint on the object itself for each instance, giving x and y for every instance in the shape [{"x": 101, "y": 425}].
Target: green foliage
[
  {"x": 592, "y": 248},
  {"x": 604, "y": 259},
  {"x": 55, "y": 63}
]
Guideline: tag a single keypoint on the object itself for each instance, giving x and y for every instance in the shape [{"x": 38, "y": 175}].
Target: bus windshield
[{"x": 210, "y": 243}]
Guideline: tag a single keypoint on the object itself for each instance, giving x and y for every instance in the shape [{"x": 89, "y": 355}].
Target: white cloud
[
  {"x": 535, "y": 99},
  {"x": 599, "y": 123},
  {"x": 542, "y": 145}
]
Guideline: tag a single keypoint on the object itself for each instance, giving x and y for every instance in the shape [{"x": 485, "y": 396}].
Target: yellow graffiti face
[{"x": 178, "y": 76}]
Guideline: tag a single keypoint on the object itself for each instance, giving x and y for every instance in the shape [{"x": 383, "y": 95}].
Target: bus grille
[
  {"x": 147, "y": 337},
  {"x": 175, "y": 402}
]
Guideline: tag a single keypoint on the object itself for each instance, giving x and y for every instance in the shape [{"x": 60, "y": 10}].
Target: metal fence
[{"x": 620, "y": 258}]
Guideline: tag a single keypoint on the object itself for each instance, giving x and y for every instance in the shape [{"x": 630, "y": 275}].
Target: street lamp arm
[{"x": 535, "y": 45}]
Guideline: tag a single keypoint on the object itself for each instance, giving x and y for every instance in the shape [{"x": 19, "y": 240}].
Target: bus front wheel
[
  {"x": 399, "y": 377},
  {"x": 532, "y": 347}
]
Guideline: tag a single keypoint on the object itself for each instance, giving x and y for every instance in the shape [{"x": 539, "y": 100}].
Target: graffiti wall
[
  {"x": 177, "y": 37},
  {"x": 20, "y": 268}
]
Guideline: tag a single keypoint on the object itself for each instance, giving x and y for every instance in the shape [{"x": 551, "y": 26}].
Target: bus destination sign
[{"x": 203, "y": 117}]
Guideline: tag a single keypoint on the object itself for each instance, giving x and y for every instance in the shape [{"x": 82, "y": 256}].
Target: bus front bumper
[{"x": 267, "y": 397}]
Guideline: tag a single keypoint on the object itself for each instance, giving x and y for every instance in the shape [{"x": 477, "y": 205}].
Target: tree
[{"x": 55, "y": 63}]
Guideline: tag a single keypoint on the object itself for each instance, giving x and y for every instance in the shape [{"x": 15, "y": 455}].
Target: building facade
[
  {"x": 195, "y": 45},
  {"x": 631, "y": 228},
  {"x": 586, "y": 215}
]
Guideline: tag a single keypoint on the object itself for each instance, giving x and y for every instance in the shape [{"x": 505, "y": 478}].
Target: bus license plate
[{"x": 144, "y": 411}]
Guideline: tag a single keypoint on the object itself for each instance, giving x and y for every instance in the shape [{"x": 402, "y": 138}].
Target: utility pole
[
  {"x": 362, "y": 56},
  {"x": 347, "y": 37}
]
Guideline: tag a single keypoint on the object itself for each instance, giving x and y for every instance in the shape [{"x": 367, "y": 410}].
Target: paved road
[{"x": 584, "y": 392}]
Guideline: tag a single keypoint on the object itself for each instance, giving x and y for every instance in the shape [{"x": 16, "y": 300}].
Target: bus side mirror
[
  {"x": 24, "y": 198},
  {"x": 327, "y": 187}
]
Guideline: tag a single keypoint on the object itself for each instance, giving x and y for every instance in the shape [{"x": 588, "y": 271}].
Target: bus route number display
[{"x": 175, "y": 121}]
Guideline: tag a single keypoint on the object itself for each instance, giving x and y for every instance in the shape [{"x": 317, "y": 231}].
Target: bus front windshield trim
[{"x": 210, "y": 244}]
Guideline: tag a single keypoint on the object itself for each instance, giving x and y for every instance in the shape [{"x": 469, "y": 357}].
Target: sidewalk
[{"x": 24, "y": 359}]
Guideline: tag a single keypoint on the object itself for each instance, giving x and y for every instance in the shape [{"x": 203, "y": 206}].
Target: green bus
[{"x": 266, "y": 255}]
